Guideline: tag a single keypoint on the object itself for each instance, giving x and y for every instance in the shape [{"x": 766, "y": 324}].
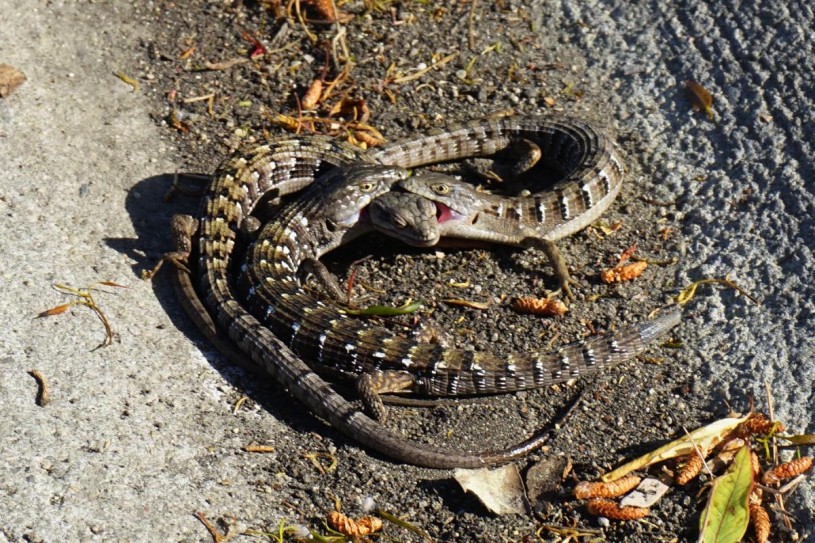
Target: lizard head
[
  {"x": 346, "y": 191},
  {"x": 407, "y": 217},
  {"x": 455, "y": 200}
]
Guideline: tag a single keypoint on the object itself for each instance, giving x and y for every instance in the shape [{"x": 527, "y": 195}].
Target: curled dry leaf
[
  {"x": 467, "y": 303},
  {"x": 44, "y": 392},
  {"x": 355, "y": 108},
  {"x": 325, "y": 10},
  {"x": 585, "y": 489},
  {"x": 759, "y": 425},
  {"x": 755, "y": 464},
  {"x": 787, "y": 470},
  {"x": 539, "y": 306},
  {"x": 700, "y": 97},
  {"x": 368, "y": 138},
  {"x": 609, "y": 509},
  {"x": 706, "y": 437},
  {"x": 761, "y": 522},
  {"x": 691, "y": 469},
  {"x": 623, "y": 273},
  {"x": 10, "y": 79},
  {"x": 312, "y": 96},
  {"x": 354, "y": 528}
]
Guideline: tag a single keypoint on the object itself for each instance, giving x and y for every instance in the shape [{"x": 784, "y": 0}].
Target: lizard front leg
[{"x": 183, "y": 229}]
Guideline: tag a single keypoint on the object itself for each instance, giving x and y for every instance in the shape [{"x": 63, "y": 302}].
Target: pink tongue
[{"x": 444, "y": 213}]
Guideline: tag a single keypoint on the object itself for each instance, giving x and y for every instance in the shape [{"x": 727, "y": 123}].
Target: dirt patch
[{"x": 502, "y": 57}]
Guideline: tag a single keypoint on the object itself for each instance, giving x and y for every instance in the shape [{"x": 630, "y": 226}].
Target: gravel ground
[{"x": 141, "y": 435}]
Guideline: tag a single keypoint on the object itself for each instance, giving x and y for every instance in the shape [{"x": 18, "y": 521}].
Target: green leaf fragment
[
  {"x": 384, "y": 310},
  {"x": 726, "y": 516}
]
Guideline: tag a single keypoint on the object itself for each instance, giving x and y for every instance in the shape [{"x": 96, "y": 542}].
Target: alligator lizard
[
  {"x": 239, "y": 183},
  {"x": 321, "y": 334},
  {"x": 242, "y": 182}
]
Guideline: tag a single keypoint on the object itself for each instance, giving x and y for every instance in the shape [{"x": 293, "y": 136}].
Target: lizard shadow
[{"x": 150, "y": 214}]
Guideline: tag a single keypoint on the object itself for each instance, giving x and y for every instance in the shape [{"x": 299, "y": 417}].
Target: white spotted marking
[
  {"x": 452, "y": 386},
  {"x": 564, "y": 207},
  {"x": 542, "y": 211},
  {"x": 295, "y": 327},
  {"x": 617, "y": 164},
  {"x": 320, "y": 346},
  {"x": 406, "y": 362},
  {"x": 585, "y": 190},
  {"x": 519, "y": 210},
  {"x": 565, "y": 363},
  {"x": 606, "y": 181}
]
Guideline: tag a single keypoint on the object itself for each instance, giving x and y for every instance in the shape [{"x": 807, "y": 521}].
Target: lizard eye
[
  {"x": 441, "y": 188},
  {"x": 367, "y": 186},
  {"x": 399, "y": 222}
]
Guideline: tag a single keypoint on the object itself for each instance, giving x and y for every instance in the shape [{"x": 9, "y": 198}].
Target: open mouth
[{"x": 444, "y": 213}]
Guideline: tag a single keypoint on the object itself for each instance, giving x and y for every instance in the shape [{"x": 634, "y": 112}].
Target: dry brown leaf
[
  {"x": 10, "y": 79},
  {"x": 585, "y": 489},
  {"x": 609, "y": 509},
  {"x": 787, "y": 470},
  {"x": 354, "y": 528},
  {"x": 620, "y": 274},
  {"x": 312, "y": 96},
  {"x": 549, "y": 307},
  {"x": 700, "y": 97},
  {"x": 467, "y": 303}
]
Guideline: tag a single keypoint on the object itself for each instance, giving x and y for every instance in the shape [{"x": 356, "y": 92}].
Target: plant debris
[
  {"x": 44, "y": 392},
  {"x": 85, "y": 298},
  {"x": 10, "y": 79},
  {"x": 700, "y": 97}
]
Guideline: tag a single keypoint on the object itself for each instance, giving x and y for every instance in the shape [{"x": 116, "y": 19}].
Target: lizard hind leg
[
  {"x": 560, "y": 268},
  {"x": 328, "y": 282},
  {"x": 370, "y": 385}
]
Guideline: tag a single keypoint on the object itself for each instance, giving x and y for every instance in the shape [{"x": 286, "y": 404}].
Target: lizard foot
[
  {"x": 183, "y": 228},
  {"x": 371, "y": 385}
]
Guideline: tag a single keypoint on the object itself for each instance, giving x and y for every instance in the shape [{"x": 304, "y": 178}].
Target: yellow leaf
[
  {"x": 802, "y": 439},
  {"x": 705, "y": 438},
  {"x": 467, "y": 303}
]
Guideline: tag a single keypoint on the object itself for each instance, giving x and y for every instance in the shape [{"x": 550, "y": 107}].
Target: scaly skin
[
  {"x": 239, "y": 185},
  {"x": 307, "y": 228},
  {"x": 236, "y": 189}
]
